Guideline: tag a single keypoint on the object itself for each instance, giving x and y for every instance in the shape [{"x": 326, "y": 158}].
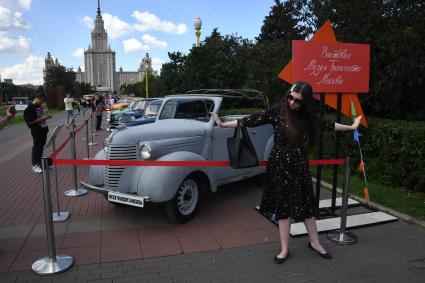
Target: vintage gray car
[{"x": 183, "y": 131}]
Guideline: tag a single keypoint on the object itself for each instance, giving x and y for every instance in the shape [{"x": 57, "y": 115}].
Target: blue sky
[{"x": 31, "y": 28}]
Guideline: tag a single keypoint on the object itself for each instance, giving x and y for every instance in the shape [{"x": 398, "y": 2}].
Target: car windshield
[
  {"x": 140, "y": 105},
  {"x": 187, "y": 109},
  {"x": 152, "y": 110},
  {"x": 131, "y": 105}
]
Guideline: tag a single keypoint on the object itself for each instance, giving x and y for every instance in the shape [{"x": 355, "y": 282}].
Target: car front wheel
[{"x": 184, "y": 206}]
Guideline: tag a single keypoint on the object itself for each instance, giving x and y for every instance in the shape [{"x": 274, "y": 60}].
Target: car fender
[
  {"x": 97, "y": 171},
  {"x": 160, "y": 184}
]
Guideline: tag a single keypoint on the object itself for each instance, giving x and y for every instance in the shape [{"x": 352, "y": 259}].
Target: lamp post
[{"x": 198, "y": 25}]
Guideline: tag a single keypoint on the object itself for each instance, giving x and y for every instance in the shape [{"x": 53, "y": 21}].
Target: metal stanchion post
[
  {"x": 58, "y": 216},
  {"x": 52, "y": 263},
  {"x": 76, "y": 191},
  {"x": 341, "y": 236},
  {"x": 93, "y": 124},
  {"x": 92, "y": 143},
  {"x": 87, "y": 139},
  {"x": 84, "y": 116}
]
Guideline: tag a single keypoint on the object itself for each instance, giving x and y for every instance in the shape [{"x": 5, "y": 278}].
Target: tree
[
  {"x": 286, "y": 21},
  {"x": 81, "y": 89},
  {"x": 172, "y": 73},
  {"x": 60, "y": 76},
  {"x": 58, "y": 81}
]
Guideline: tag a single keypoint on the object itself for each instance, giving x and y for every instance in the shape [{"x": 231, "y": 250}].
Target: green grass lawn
[
  {"x": 19, "y": 116},
  {"x": 400, "y": 199}
]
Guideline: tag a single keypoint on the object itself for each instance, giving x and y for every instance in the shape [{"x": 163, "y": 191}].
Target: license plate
[{"x": 127, "y": 199}]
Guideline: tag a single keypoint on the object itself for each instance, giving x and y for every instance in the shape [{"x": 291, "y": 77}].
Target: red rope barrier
[
  {"x": 161, "y": 163},
  {"x": 173, "y": 163},
  {"x": 59, "y": 149},
  {"x": 82, "y": 126}
]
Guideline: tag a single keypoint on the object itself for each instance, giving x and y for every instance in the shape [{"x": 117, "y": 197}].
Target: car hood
[
  {"x": 115, "y": 112},
  {"x": 133, "y": 113},
  {"x": 161, "y": 129},
  {"x": 140, "y": 121}
]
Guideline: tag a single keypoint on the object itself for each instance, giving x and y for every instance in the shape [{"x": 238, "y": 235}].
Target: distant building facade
[
  {"x": 100, "y": 65},
  {"x": 49, "y": 62}
]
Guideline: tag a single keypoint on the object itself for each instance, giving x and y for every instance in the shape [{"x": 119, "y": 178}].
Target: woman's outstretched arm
[
  {"x": 230, "y": 124},
  {"x": 342, "y": 127}
]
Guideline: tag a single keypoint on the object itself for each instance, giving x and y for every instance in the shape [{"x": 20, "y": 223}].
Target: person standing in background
[
  {"x": 35, "y": 120},
  {"x": 100, "y": 107},
  {"x": 69, "y": 109}
]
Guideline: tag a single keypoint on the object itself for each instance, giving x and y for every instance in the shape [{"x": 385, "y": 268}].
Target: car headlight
[{"x": 145, "y": 151}]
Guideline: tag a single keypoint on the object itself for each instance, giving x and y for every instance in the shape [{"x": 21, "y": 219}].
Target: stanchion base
[
  {"x": 61, "y": 216},
  {"x": 46, "y": 266},
  {"x": 342, "y": 239},
  {"x": 92, "y": 143},
  {"x": 76, "y": 192}
]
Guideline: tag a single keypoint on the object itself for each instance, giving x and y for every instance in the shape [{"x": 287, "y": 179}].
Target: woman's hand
[
  {"x": 356, "y": 123},
  {"x": 216, "y": 119}
]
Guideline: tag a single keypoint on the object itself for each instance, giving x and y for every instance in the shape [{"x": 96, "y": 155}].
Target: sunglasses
[{"x": 295, "y": 100}]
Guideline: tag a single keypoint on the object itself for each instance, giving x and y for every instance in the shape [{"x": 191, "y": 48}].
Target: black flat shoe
[
  {"x": 279, "y": 260},
  {"x": 326, "y": 255}
]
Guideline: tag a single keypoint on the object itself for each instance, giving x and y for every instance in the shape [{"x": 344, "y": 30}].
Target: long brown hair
[{"x": 306, "y": 114}]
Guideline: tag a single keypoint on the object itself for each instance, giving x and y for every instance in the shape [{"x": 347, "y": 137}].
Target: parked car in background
[
  {"x": 111, "y": 114},
  {"x": 120, "y": 105},
  {"x": 21, "y": 103},
  {"x": 137, "y": 111},
  {"x": 183, "y": 131},
  {"x": 149, "y": 115}
]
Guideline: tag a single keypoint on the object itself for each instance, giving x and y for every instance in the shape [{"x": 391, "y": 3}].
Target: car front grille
[{"x": 113, "y": 173}]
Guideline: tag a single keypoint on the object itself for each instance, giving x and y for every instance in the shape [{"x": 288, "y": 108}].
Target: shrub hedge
[{"x": 393, "y": 152}]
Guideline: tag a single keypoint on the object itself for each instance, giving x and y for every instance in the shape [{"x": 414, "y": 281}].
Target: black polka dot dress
[{"x": 288, "y": 189}]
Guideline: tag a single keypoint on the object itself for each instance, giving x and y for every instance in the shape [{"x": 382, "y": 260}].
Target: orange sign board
[{"x": 331, "y": 67}]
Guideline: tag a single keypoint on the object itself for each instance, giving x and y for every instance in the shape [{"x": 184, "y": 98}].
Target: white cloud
[
  {"x": 16, "y": 5},
  {"x": 150, "y": 40},
  {"x": 133, "y": 45},
  {"x": 150, "y": 21},
  {"x": 9, "y": 20},
  {"x": 115, "y": 27},
  {"x": 88, "y": 22},
  {"x": 157, "y": 64},
  {"x": 31, "y": 71},
  {"x": 18, "y": 44},
  {"x": 26, "y": 4},
  {"x": 79, "y": 53}
]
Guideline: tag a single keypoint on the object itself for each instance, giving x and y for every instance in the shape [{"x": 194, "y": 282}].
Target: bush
[{"x": 393, "y": 152}]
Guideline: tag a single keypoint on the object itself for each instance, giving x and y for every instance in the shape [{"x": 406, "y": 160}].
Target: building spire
[{"x": 98, "y": 7}]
